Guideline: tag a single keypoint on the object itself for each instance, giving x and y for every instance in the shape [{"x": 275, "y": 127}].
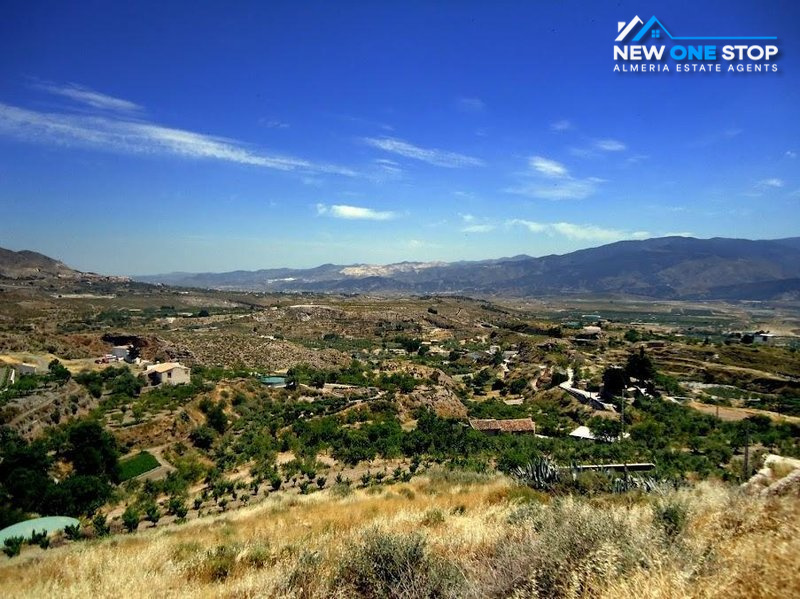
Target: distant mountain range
[{"x": 663, "y": 268}]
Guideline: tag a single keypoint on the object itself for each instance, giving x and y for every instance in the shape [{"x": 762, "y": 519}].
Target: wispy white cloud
[
  {"x": 561, "y": 125},
  {"x": 140, "y": 137},
  {"x": 353, "y": 212},
  {"x": 609, "y": 145},
  {"x": 89, "y": 97},
  {"x": 484, "y": 228},
  {"x": 790, "y": 154},
  {"x": 387, "y": 169},
  {"x": 551, "y": 180},
  {"x": 416, "y": 244},
  {"x": 473, "y": 224},
  {"x": 578, "y": 232},
  {"x": 773, "y": 182},
  {"x": 470, "y": 104},
  {"x": 547, "y": 167},
  {"x": 634, "y": 160},
  {"x": 273, "y": 123},
  {"x": 429, "y": 155},
  {"x": 563, "y": 189}
]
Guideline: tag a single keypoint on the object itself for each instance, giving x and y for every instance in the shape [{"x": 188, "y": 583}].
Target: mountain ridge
[{"x": 664, "y": 268}]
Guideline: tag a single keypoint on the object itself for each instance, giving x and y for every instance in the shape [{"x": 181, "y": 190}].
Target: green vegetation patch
[{"x": 136, "y": 465}]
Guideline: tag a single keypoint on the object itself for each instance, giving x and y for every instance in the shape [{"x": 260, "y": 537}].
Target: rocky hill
[{"x": 32, "y": 265}]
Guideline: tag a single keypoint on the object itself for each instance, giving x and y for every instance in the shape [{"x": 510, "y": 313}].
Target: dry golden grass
[{"x": 476, "y": 533}]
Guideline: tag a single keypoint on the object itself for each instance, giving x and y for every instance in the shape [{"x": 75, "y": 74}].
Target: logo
[{"x": 651, "y": 48}]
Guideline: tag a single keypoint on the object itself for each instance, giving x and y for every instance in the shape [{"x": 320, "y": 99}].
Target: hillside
[
  {"x": 664, "y": 268},
  {"x": 32, "y": 265},
  {"x": 443, "y": 535}
]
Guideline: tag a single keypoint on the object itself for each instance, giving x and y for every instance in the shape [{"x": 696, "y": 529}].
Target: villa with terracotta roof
[{"x": 512, "y": 425}]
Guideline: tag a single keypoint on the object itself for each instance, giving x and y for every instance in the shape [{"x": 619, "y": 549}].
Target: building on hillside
[
  {"x": 169, "y": 373},
  {"x": 24, "y": 368},
  {"x": 589, "y": 332},
  {"x": 584, "y": 432},
  {"x": 121, "y": 352},
  {"x": 512, "y": 425}
]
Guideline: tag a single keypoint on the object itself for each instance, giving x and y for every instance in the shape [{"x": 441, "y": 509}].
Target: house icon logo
[
  {"x": 650, "y": 47},
  {"x": 624, "y": 28},
  {"x": 655, "y": 29}
]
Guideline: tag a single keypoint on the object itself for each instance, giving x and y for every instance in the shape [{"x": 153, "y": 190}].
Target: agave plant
[
  {"x": 541, "y": 474},
  {"x": 635, "y": 483}
]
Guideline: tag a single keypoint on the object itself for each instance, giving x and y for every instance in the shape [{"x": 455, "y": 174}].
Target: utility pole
[
  {"x": 622, "y": 438},
  {"x": 746, "y": 452}
]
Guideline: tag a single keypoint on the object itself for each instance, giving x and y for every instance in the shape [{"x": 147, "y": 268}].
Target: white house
[{"x": 169, "y": 373}]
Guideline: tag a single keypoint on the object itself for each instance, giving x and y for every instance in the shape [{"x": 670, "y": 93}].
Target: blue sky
[{"x": 216, "y": 136}]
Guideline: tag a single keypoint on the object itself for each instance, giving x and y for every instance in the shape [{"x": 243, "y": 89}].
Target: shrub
[
  {"x": 396, "y": 565},
  {"x": 39, "y": 538},
  {"x": 202, "y": 437},
  {"x": 570, "y": 549},
  {"x": 433, "y": 517},
  {"x": 152, "y": 513},
  {"x": 73, "y": 532},
  {"x": 130, "y": 518},
  {"x": 12, "y": 546},
  {"x": 672, "y": 516},
  {"x": 341, "y": 490},
  {"x": 218, "y": 563},
  {"x": 101, "y": 528}
]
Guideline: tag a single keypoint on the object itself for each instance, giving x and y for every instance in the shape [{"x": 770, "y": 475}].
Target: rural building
[
  {"x": 24, "y": 368},
  {"x": 121, "y": 352},
  {"x": 513, "y": 425},
  {"x": 583, "y": 432},
  {"x": 590, "y": 332},
  {"x": 170, "y": 373}
]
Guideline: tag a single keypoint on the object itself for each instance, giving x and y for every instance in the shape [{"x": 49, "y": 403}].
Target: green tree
[
  {"x": 217, "y": 419},
  {"x": 92, "y": 450},
  {"x": 202, "y": 437},
  {"x": 614, "y": 381},
  {"x": 632, "y": 336},
  {"x": 58, "y": 372},
  {"x": 130, "y": 518},
  {"x": 152, "y": 513},
  {"x": 101, "y": 527},
  {"x": 640, "y": 366}
]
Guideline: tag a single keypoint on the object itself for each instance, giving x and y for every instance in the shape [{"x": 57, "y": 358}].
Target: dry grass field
[{"x": 443, "y": 535}]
